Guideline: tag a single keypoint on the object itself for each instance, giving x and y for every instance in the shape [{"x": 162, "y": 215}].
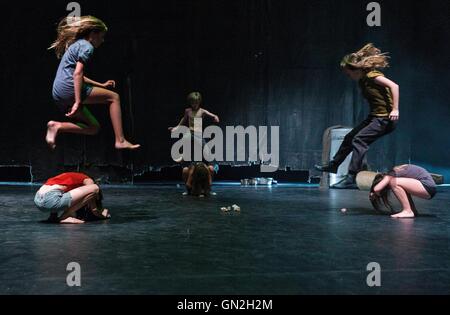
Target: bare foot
[
  {"x": 52, "y": 132},
  {"x": 71, "y": 220},
  {"x": 125, "y": 145},
  {"x": 403, "y": 214}
]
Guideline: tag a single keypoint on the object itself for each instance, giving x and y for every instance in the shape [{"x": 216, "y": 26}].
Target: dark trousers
[{"x": 360, "y": 138}]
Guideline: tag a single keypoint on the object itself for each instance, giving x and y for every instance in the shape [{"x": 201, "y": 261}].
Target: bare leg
[
  {"x": 185, "y": 174},
  {"x": 104, "y": 96},
  {"x": 402, "y": 187},
  {"x": 211, "y": 174},
  {"x": 401, "y": 195},
  {"x": 80, "y": 197},
  {"x": 413, "y": 205},
  {"x": 88, "y": 126}
]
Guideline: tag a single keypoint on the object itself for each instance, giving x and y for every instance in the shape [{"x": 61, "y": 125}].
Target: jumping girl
[
  {"x": 72, "y": 90},
  {"x": 382, "y": 95}
]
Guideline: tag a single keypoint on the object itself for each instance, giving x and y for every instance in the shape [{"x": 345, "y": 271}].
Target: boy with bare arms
[{"x": 194, "y": 100}]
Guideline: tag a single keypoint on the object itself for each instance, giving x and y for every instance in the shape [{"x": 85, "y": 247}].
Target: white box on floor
[{"x": 337, "y": 137}]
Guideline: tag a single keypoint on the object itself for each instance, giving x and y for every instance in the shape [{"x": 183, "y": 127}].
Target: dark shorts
[
  {"x": 65, "y": 103},
  {"x": 430, "y": 189}
]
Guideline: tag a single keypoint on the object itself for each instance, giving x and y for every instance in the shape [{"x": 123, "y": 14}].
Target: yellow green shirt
[{"x": 379, "y": 97}]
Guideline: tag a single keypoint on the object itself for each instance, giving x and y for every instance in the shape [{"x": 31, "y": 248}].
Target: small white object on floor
[
  {"x": 232, "y": 208},
  {"x": 185, "y": 193},
  {"x": 178, "y": 186},
  {"x": 213, "y": 194},
  {"x": 344, "y": 210}
]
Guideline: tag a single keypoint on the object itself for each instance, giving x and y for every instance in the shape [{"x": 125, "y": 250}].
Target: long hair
[
  {"x": 383, "y": 195},
  {"x": 200, "y": 180},
  {"x": 367, "y": 58},
  {"x": 71, "y": 29},
  {"x": 99, "y": 201}
]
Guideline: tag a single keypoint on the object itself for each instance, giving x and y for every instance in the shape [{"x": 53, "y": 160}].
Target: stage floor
[{"x": 285, "y": 240}]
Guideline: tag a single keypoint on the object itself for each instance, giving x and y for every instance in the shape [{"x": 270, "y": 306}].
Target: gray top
[
  {"x": 415, "y": 172},
  {"x": 63, "y": 86}
]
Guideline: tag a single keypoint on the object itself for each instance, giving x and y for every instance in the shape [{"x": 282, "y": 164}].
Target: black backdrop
[{"x": 257, "y": 62}]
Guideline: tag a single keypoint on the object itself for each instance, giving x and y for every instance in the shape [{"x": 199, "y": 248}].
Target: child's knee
[
  {"x": 95, "y": 189},
  {"x": 96, "y": 128},
  {"x": 357, "y": 142},
  {"x": 93, "y": 130},
  {"x": 89, "y": 181},
  {"x": 114, "y": 97},
  {"x": 393, "y": 183}
]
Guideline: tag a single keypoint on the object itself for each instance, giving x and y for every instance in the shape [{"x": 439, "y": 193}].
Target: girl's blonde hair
[
  {"x": 71, "y": 29},
  {"x": 368, "y": 57}
]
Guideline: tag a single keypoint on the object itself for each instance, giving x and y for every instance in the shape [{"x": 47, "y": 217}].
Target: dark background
[{"x": 256, "y": 62}]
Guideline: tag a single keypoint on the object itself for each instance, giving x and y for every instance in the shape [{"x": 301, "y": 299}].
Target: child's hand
[
  {"x": 74, "y": 110},
  {"x": 394, "y": 115},
  {"x": 216, "y": 119},
  {"x": 110, "y": 84}
]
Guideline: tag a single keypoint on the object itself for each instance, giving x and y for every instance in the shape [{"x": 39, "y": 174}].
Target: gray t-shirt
[
  {"x": 415, "y": 172},
  {"x": 63, "y": 86}
]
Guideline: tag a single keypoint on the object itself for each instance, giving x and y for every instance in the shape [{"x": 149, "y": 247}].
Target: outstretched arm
[
  {"x": 107, "y": 85},
  {"x": 181, "y": 123},
  {"x": 214, "y": 117},
  {"x": 395, "y": 89}
]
